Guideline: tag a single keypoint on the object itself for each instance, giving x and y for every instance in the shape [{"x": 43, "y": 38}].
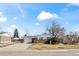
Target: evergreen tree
[{"x": 16, "y": 35}]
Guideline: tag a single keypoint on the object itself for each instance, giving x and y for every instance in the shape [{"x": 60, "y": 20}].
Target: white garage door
[{"x": 28, "y": 41}]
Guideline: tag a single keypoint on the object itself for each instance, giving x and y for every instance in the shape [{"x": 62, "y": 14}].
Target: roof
[
  {"x": 4, "y": 34},
  {"x": 44, "y": 35},
  {"x": 29, "y": 36}
]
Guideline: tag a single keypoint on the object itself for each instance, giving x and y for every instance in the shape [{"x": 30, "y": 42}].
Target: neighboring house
[
  {"x": 5, "y": 37},
  {"x": 37, "y": 39},
  {"x": 43, "y": 38},
  {"x": 18, "y": 40}
]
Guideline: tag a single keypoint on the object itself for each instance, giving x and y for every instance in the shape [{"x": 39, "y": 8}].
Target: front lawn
[{"x": 50, "y": 46}]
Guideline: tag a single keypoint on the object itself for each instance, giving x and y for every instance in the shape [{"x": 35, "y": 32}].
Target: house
[
  {"x": 5, "y": 37},
  {"x": 43, "y": 38}
]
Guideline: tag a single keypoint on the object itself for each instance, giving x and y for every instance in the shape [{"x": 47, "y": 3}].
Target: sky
[{"x": 33, "y": 18}]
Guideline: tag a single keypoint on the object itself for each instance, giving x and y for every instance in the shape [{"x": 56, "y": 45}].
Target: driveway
[{"x": 15, "y": 47}]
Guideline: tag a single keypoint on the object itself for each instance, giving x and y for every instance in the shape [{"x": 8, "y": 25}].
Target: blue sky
[{"x": 33, "y": 18}]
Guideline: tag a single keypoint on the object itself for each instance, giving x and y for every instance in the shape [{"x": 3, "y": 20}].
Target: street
[{"x": 60, "y": 52}]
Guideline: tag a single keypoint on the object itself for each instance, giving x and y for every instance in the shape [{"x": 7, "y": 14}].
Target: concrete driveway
[{"x": 15, "y": 47}]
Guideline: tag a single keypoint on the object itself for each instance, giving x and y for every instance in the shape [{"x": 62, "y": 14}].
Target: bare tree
[
  {"x": 74, "y": 37},
  {"x": 71, "y": 38},
  {"x": 56, "y": 31}
]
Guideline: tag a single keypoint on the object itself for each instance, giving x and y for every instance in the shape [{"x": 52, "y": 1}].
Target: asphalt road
[{"x": 58, "y": 52}]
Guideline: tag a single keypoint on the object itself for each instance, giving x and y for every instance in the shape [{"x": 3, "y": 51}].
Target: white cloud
[
  {"x": 73, "y": 4},
  {"x": 13, "y": 26},
  {"x": 46, "y": 15},
  {"x": 37, "y": 24},
  {"x": 2, "y": 18}
]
